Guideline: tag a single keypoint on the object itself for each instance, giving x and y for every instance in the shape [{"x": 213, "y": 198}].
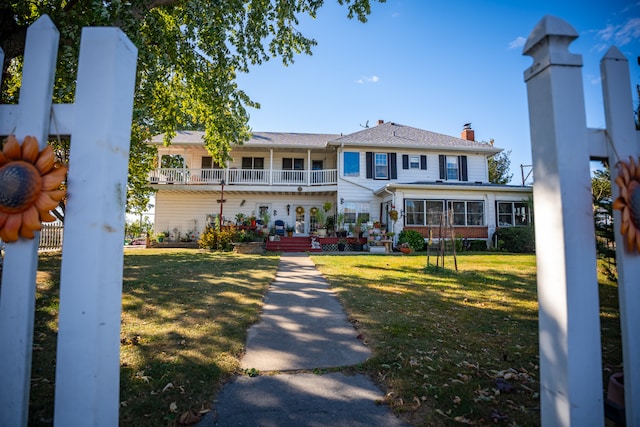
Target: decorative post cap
[{"x": 548, "y": 44}]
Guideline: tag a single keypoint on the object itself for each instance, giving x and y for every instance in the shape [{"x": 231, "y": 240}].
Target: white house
[{"x": 421, "y": 174}]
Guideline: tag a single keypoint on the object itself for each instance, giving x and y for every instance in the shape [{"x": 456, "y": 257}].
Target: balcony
[{"x": 182, "y": 176}]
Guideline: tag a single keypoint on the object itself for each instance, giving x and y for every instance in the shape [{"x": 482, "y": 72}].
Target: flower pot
[
  {"x": 322, "y": 232},
  {"x": 405, "y": 250}
]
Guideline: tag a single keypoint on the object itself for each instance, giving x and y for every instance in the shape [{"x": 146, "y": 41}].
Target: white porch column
[
  {"x": 569, "y": 324},
  {"x": 270, "y": 166},
  {"x": 308, "y": 167},
  {"x": 616, "y": 88}
]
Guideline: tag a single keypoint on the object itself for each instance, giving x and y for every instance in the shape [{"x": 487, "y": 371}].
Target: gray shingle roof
[
  {"x": 396, "y": 135},
  {"x": 258, "y": 139},
  {"x": 386, "y": 135}
]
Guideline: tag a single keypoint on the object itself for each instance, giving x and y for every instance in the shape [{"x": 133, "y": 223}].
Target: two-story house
[{"x": 423, "y": 175}]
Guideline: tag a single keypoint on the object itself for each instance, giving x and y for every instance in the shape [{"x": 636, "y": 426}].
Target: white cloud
[
  {"x": 372, "y": 79},
  {"x": 517, "y": 43},
  {"x": 620, "y": 34}
]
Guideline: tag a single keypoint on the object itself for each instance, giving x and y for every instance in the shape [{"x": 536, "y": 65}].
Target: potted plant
[
  {"x": 240, "y": 218},
  {"x": 405, "y": 248},
  {"x": 327, "y": 206},
  {"x": 321, "y": 217},
  {"x": 342, "y": 244},
  {"x": 341, "y": 232},
  {"x": 290, "y": 230},
  {"x": 252, "y": 220},
  {"x": 265, "y": 217}
]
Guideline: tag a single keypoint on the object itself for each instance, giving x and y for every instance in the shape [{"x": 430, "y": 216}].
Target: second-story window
[
  {"x": 351, "y": 163},
  {"x": 452, "y": 167},
  {"x": 382, "y": 168},
  {"x": 253, "y": 163},
  {"x": 292, "y": 164},
  {"x": 414, "y": 162}
]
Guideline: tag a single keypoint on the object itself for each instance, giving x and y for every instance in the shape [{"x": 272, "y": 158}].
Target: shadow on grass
[
  {"x": 185, "y": 315},
  {"x": 446, "y": 341}
]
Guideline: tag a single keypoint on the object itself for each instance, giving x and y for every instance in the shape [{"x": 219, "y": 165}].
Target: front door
[{"x": 301, "y": 221}]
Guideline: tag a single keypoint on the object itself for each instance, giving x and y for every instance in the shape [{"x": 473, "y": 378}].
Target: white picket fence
[
  {"x": 562, "y": 145},
  {"x": 99, "y": 123},
  {"x": 51, "y": 236}
]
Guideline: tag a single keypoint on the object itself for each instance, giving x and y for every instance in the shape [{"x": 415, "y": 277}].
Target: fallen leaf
[
  {"x": 169, "y": 386},
  {"x": 188, "y": 418},
  {"x": 173, "y": 407}
]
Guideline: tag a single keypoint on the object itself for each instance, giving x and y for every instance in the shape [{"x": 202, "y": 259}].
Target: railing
[
  {"x": 51, "y": 236},
  {"x": 243, "y": 176}
]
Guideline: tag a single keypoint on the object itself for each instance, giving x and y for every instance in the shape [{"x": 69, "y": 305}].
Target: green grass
[
  {"x": 440, "y": 339},
  {"x": 445, "y": 342},
  {"x": 184, "y": 322}
]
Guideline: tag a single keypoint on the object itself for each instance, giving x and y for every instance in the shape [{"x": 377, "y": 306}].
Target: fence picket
[
  {"x": 87, "y": 379},
  {"x": 17, "y": 299}
]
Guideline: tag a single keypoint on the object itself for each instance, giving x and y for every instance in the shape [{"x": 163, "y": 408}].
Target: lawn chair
[{"x": 279, "y": 227}]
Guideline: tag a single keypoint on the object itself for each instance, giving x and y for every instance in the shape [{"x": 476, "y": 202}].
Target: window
[
  {"x": 452, "y": 167},
  {"x": 414, "y": 162},
  {"x": 354, "y": 210},
  {"x": 351, "y": 163},
  {"x": 293, "y": 164},
  {"x": 253, "y": 163},
  {"x": 513, "y": 214},
  {"x": 382, "y": 168},
  {"x": 432, "y": 212},
  {"x": 467, "y": 213},
  {"x": 435, "y": 209},
  {"x": 414, "y": 212}
]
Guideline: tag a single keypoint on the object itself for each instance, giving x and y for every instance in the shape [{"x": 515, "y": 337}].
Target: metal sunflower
[
  {"x": 629, "y": 202},
  {"x": 29, "y": 187}
]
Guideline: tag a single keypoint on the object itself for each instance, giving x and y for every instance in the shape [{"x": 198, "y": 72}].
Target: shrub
[
  {"x": 212, "y": 238},
  {"x": 412, "y": 238},
  {"x": 477, "y": 245},
  {"x": 516, "y": 239}
]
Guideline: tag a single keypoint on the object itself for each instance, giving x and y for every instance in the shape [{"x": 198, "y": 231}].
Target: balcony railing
[{"x": 243, "y": 176}]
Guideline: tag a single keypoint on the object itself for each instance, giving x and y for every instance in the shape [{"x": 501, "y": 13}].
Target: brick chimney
[
  {"x": 380, "y": 121},
  {"x": 468, "y": 133}
]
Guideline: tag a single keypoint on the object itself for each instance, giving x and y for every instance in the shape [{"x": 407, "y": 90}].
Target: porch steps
[{"x": 291, "y": 244}]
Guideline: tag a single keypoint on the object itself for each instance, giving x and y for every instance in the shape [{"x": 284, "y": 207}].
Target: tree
[
  {"x": 603, "y": 217},
  {"x": 499, "y": 168},
  {"x": 189, "y": 53}
]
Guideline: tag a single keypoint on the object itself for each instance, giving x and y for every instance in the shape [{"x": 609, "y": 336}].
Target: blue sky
[{"x": 434, "y": 65}]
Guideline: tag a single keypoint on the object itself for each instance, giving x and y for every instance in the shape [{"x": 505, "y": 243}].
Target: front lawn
[
  {"x": 185, "y": 315},
  {"x": 449, "y": 348},
  {"x": 454, "y": 348}
]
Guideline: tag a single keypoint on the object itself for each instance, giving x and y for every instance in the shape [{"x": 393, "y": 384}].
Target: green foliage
[
  {"x": 216, "y": 239},
  {"x": 135, "y": 228},
  {"x": 603, "y": 218},
  {"x": 412, "y": 238},
  {"x": 189, "y": 54},
  {"x": 516, "y": 239},
  {"x": 499, "y": 168}
]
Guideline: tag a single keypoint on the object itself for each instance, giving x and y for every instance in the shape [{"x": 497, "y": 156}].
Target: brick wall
[{"x": 466, "y": 232}]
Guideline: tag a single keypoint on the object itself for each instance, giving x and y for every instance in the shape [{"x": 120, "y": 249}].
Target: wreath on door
[{"x": 300, "y": 210}]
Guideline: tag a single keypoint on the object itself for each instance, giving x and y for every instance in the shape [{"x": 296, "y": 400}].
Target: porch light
[{"x": 288, "y": 209}]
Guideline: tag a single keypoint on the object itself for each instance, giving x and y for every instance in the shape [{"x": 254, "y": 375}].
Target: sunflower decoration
[
  {"x": 629, "y": 202},
  {"x": 29, "y": 187},
  {"x": 299, "y": 210}
]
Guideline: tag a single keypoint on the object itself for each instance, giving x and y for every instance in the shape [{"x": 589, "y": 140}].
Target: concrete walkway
[{"x": 303, "y": 327}]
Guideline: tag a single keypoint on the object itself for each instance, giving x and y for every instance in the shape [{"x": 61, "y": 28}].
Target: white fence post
[
  {"x": 616, "y": 89},
  {"x": 569, "y": 323},
  {"x": 17, "y": 299},
  {"x": 88, "y": 367}
]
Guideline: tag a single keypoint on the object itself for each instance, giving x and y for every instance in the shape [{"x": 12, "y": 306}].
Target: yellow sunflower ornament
[
  {"x": 29, "y": 182},
  {"x": 629, "y": 202}
]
